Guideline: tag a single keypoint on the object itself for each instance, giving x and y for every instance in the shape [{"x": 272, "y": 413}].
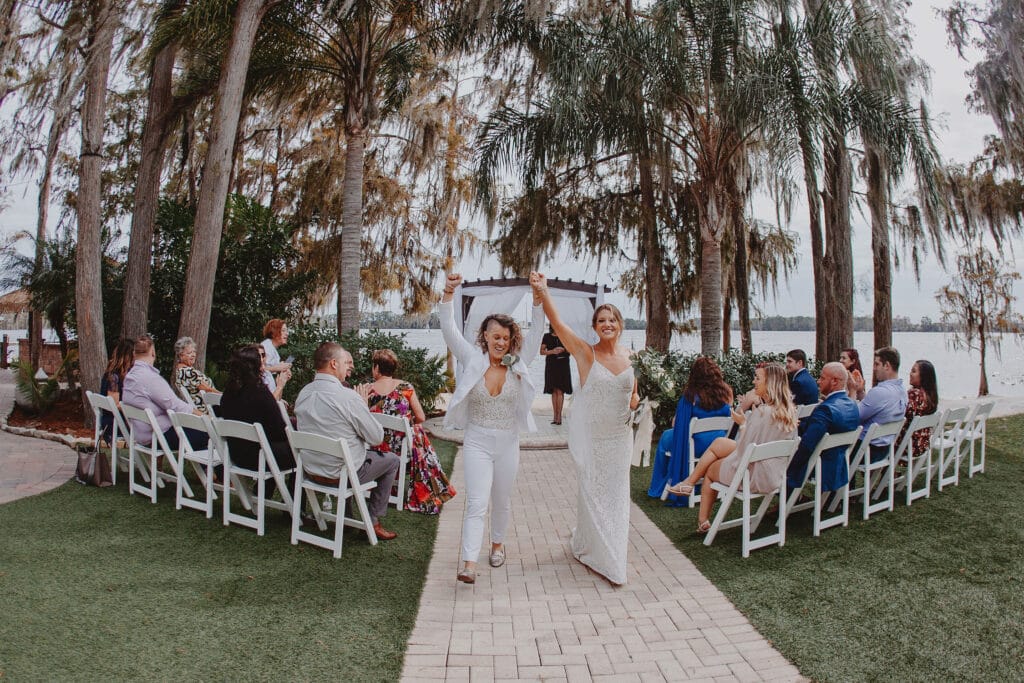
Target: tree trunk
[
  {"x": 35, "y": 337},
  {"x": 209, "y": 224},
  {"x": 726, "y": 322},
  {"x": 92, "y": 350},
  {"x": 808, "y": 154},
  {"x": 135, "y": 311},
  {"x": 838, "y": 259},
  {"x": 351, "y": 257},
  {"x": 7, "y": 40},
  {"x": 62, "y": 108},
  {"x": 659, "y": 332},
  {"x": 741, "y": 284},
  {"x": 878, "y": 202},
  {"x": 982, "y": 347},
  {"x": 711, "y": 231}
]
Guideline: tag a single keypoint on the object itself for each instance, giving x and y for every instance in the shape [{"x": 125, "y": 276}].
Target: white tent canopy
[{"x": 575, "y": 302}]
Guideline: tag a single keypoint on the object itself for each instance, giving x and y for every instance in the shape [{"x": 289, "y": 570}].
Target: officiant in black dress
[{"x": 557, "y": 375}]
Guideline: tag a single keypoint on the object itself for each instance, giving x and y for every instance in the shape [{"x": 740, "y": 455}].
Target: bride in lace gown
[{"x": 600, "y": 438}]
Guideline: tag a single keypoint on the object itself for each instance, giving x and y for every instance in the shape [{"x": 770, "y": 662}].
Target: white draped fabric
[{"x": 574, "y": 307}]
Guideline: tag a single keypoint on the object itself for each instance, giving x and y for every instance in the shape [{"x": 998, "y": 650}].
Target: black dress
[
  {"x": 256, "y": 404},
  {"x": 557, "y": 374}
]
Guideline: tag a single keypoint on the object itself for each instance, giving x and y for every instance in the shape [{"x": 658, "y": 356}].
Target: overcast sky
[{"x": 959, "y": 136}]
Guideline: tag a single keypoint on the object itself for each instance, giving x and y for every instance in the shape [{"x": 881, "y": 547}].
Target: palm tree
[
  {"x": 726, "y": 98},
  {"x": 359, "y": 60},
  {"x": 104, "y": 19},
  {"x": 896, "y": 136},
  {"x": 594, "y": 162},
  {"x": 155, "y": 138},
  {"x": 202, "y": 266}
]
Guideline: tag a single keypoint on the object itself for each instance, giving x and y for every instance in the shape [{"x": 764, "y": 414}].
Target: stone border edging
[{"x": 72, "y": 442}]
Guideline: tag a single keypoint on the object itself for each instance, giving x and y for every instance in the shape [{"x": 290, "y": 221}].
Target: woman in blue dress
[{"x": 706, "y": 395}]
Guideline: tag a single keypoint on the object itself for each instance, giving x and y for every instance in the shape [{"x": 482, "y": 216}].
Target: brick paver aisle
[{"x": 545, "y": 616}]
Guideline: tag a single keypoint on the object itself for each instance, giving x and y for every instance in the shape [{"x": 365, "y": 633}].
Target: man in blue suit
[
  {"x": 804, "y": 389},
  {"x": 836, "y": 414}
]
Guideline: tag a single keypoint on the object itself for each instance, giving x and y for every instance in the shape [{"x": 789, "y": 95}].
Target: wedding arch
[{"x": 575, "y": 301}]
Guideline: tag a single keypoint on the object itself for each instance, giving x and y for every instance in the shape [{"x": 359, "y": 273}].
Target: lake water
[{"x": 958, "y": 371}]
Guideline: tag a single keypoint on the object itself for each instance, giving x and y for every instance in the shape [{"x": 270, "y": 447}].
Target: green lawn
[
  {"x": 96, "y": 585},
  {"x": 930, "y": 592}
]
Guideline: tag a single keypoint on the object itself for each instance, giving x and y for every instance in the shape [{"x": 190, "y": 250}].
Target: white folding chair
[
  {"x": 914, "y": 464},
  {"x": 946, "y": 440},
  {"x": 283, "y": 407},
  {"x": 348, "y": 486},
  {"x": 805, "y": 410},
  {"x": 398, "y": 424},
  {"x": 972, "y": 431},
  {"x": 186, "y": 396},
  {"x": 203, "y": 462},
  {"x": 847, "y": 440},
  {"x": 211, "y": 400},
  {"x": 266, "y": 469},
  {"x": 862, "y": 463},
  {"x": 698, "y": 425},
  {"x": 740, "y": 487},
  {"x": 155, "y": 449},
  {"x": 119, "y": 430}
]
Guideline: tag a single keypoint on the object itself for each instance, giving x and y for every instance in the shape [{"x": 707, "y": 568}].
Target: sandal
[
  {"x": 467, "y": 576},
  {"x": 681, "y": 489},
  {"x": 703, "y": 527}
]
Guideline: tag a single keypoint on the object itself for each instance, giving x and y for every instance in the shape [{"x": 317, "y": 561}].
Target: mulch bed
[{"x": 66, "y": 417}]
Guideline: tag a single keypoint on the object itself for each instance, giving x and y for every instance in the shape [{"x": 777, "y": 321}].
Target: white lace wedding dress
[{"x": 601, "y": 444}]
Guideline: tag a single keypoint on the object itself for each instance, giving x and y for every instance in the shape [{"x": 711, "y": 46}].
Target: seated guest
[
  {"x": 187, "y": 376},
  {"x": 773, "y": 420},
  {"x": 327, "y": 407},
  {"x": 836, "y": 414},
  {"x": 428, "y": 487},
  {"x": 275, "y": 334},
  {"x": 887, "y": 400},
  {"x": 801, "y": 384},
  {"x": 247, "y": 399},
  {"x": 112, "y": 382},
  {"x": 705, "y": 387},
  {"x": 145, "y": 388},
  {"x": 855, "y": 384},
  {"x": 922, "y": 399}
]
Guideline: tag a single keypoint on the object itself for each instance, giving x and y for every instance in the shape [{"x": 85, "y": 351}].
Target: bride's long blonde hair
[{"x": 778, "y": 395}]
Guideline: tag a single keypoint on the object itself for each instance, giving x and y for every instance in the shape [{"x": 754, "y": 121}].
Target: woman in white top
[
  {"x": 275, "y": 373},
  {"x": 493, "y": 394},
  {"x": 600, "y": 437}
]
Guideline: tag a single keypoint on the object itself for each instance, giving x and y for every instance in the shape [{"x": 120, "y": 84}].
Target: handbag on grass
[{"x": 93, "y": 468}]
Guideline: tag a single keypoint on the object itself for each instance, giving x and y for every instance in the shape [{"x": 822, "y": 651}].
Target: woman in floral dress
[
  {"x": 922, "y": 399},
  {"x": 428, "y": 488}
]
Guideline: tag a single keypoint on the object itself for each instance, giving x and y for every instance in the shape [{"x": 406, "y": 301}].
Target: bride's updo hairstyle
[
  {"x": 515, "y": 341},
  {"x": 615, "y": 312}
]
